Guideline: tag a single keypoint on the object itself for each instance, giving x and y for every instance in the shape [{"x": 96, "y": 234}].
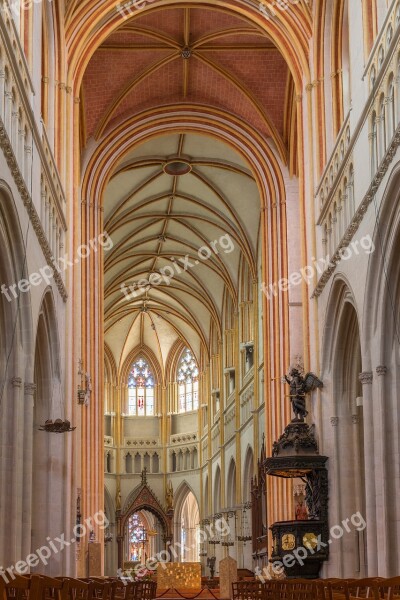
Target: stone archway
[{"x": 142, "y": 499}]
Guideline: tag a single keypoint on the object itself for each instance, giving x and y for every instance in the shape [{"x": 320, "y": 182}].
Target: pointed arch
[
  {"x": 231, "y": 484},
  {"x": 16, "y": 372},
  {"x": 217, "y": 495},
  {"x": 346, "y": 415},
  {"x": 48, "y": 452},
  {"x": 248, "y": 473},
  {"x": 340, "y": 69}
]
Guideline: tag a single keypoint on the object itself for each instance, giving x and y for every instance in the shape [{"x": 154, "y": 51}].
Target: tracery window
[
  {"x": 137, "y": 538},
  {"x": 188, "y": 382},
  {"x": 141, "y": 389}
]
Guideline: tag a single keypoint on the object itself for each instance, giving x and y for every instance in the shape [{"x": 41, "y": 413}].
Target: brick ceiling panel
[
  {"x": 240, "y": 72},
  {"x": 108, "y": 72},
  {"x": 266, "y": 79}
]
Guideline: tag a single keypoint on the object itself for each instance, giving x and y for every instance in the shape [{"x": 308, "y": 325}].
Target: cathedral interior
[{"x": 200, "y": 284}]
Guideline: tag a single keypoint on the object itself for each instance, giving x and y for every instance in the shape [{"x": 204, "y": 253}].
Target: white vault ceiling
[{"x": 152, "y": 217}]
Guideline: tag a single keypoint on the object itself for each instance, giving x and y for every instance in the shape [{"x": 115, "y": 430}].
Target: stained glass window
[
  {"x": 137, "y": 538},
  {"x": 141, "y": 389},
  {"x": 188, "y": 382}
]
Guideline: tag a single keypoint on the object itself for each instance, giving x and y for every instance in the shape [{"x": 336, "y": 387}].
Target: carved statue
[
  {"x": 211, "y": 565},
  {"x": 299, "y": 387},
  {"x": 169, "y": 496},
  {"x": 118, "y": 500},
  {"x": 301, "y": 512}
]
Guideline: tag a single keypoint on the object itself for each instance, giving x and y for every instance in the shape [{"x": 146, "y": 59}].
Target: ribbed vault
[{"x": 190, "y": 228}]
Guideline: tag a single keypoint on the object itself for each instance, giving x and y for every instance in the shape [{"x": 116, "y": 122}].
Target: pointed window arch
[
  {"x": 137, "y": 537},
  {"x": 188, "y": 382},
  {"x": 141, "y": 389}
]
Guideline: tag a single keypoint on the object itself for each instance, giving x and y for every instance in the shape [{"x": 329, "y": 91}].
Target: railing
[
  {"x": 183, "y": 438},
  {"x": 184, "y": 458},
  {"x": 215, "y": 438},
  {"x": 204, "y": 451},
  {"x": 134, "y": 461},
  {"x": 230, "y": 423},
  {"x": 246, "y": 403}
]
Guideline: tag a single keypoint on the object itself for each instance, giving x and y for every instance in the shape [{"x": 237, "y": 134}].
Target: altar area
[{"x": 181, "y": 576}]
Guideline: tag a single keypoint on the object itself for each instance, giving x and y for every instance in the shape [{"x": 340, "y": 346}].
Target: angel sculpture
[{"x": 299, "y": 387}]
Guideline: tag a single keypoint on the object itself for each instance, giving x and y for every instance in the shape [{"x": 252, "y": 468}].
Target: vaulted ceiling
[
  {"x": 192, "y": 55},
  {"x": 158, "y": 222},
  {"x": 187, "y": 55}
]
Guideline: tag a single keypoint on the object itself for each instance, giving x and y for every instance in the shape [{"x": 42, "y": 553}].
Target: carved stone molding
[
  {"x": 355, "y": 419},
  {"x": 366, "y": 377},
  {"x": 381, "y": 370},
  {"x": 334, "y": 421},
  {"x": 6, "y": 146},
  {"x": 359, "y": 214}
]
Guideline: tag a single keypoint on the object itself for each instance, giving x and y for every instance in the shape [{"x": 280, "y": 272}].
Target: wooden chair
[
  {"x": 145, "y": 590},
  {"x": 100, "y": 589},
  {"x": 20, "y": 588},
  {"x": 276, "y": 590},
  {"x": 387, "y": 588},
  {"x": 77, "y": 589},
  {"x": 336, "y": 589},
  {"x": 53, "y": 589},
  {"x": 121, "y": 590},
  {"x": 248, "y": 590},
  {"x": 304, "y": 589},
  {"x": 361, "y": 588}
]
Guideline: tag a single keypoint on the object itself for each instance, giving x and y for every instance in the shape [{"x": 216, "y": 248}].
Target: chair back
[
  {"x": 388, "y": 588},
  {"x": 53, "y": 589},
  {"x": 18, "y": 587},
  {"x": 145, "y": 590},
  {"x": 362, "y": 588},
  {"x": 77, "y": 589},
  {"x": 100, "y": 589},
  {"x": 247, "y": 590}
]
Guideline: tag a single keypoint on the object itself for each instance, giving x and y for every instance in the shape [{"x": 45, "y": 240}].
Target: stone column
[
  {"x": 15, "y": 490},
  {"x": 369, "y": 457},
  {"x": 359, "y": 501},
  {"x": 381, "y": 476},
  {"x": 29, "y": 392}
]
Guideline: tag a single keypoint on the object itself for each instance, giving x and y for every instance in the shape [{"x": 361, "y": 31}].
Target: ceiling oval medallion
[{"x": 177, "y": 166}]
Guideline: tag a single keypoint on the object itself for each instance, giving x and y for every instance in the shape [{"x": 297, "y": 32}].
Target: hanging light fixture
[
  {"x": 245, "y": 527},
  {"x": 57, "y": 426},
  {"x": 215, "y": 539},
  {"x": 228, "y": 541}
]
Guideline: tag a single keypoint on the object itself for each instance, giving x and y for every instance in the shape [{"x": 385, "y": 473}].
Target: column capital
[
  {"x": 366, "y": 377},
  {"x": 16, "y": 381},
  {"x": 29, "y": 389},
  {"x": 381, "y": 370}
]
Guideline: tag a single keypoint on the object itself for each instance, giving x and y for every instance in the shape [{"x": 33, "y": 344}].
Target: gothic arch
[
  {"x": 47, "y": 449},
  {"x": 143, "y": 498},
  {"x": 16, "y": 384},
  {"x": 340, "y": 68},
  {"x": 149, "y": 355},
  {"x": 231, "y": 484},
  {"x": 248, "y": 473},
  {"x": 186, "y": 521},
  {"x": 344, "y": 418},
  {"x": 217, "y": 491}
]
